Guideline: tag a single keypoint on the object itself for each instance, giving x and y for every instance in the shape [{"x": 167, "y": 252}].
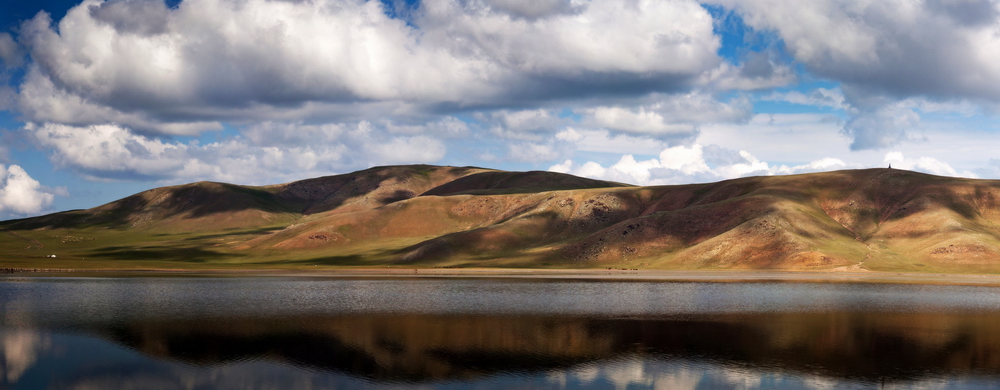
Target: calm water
[{"x": 320, "y": 333}]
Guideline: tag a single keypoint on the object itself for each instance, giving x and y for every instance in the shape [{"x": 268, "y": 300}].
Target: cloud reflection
[{"x": 20, "y": 351}]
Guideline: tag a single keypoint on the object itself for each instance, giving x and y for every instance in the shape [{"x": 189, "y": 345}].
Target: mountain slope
[{"x": 878, "y": 219}]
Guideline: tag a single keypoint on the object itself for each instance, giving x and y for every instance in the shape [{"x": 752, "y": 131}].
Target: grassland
[{"x": 427, "y": 216}]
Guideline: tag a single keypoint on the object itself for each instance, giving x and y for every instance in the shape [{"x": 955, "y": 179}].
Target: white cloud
[
  {"x": 107, "y": 85},
  {"x": 782, "y": 137},
  {"x": 570, "y": 135},
  {"x": 924, "y": 164},
  {"x": 691, "y": 164},
  {"x": 819, "y": 97},
  {"x": 697, "y": 163},
  {"x": 447, "y": 127},
  {"x": 522, "y": 124},
  {"x": 675, "y": 116},
  {"x": 732, "y": 77},
  {"x": 605, "y": 142},
  {"x": 642, "y": 36},
  {"x": 20, "y": 194},
  {"x": 882, "y": 126},
  {"x": 11, "y": 55},
  {"x": 887, "y": 51},
  {"x": 795, "y": 139},
  {"x": 41, "y": 100},
  {"x": 182, "y": 70},
  {"x": 266, "y": 153},
  {"x": 903, "y": 46},
  {"x": 653, "y": 118},
  {"x": 533, "y": 152},
  {"x": 279, "y": 52},
  {"x": 887, "y": 123},
  {"x": 109, "y": 148},
  {"x": 635, "y": 121},
  {"x": 531, "y": 9},
  {"x": 409, "y": 150}
]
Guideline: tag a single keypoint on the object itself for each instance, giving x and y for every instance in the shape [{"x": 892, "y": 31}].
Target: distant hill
[{"x": 430, "y": 216}]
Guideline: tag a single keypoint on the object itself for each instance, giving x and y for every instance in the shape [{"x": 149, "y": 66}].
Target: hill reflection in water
[{"x": 818, "y": 346}]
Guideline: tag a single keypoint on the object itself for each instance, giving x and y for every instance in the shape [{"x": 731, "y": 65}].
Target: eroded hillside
[{"x": 406, "y": 216}]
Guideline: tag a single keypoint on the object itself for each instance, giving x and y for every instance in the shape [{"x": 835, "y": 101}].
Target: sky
[{"x": 101, "y": 99}]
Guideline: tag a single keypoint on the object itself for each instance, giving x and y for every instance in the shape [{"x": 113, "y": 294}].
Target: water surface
[{"x": 295, "y": 332}]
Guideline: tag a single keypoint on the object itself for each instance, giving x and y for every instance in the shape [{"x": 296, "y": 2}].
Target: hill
[{"x": 429, "y": 216}]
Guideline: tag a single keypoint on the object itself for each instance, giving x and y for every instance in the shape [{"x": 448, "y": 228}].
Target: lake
[{"x": 171, "y": 332}]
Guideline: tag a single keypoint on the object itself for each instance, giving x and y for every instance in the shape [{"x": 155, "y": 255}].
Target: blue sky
[{"x": 102, "y": 99}]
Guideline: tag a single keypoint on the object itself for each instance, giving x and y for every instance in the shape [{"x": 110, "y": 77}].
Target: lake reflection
[{"x": 245, "y": 333}]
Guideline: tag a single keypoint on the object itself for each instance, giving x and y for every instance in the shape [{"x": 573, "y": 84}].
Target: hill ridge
[{"x": 423, "y": 215}]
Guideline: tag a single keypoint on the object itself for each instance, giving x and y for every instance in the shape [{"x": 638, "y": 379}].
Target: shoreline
[{"x": 640, "y": 275}]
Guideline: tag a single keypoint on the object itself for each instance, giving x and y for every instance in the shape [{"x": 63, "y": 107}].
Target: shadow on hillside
[
  {"x": 331, "y": 192},
  {"x": 347, "y": 260},
  {"x": 229, "y": 233},
  {"x": 496, "y": 183},
  {"x": 195, "y": 200},
  {"x": 61, "y": 219},
  {"x": 160, "y": 253}
]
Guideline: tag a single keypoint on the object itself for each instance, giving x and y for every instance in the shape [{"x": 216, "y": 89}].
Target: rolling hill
[{"x": 430, "y": 216}]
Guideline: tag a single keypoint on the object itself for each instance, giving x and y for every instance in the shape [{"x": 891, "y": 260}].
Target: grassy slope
[{"x": 408, "y": 216}]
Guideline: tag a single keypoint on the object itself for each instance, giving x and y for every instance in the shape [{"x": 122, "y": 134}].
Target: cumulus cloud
[
  {"x": 532, "y": 152},
  {"x": 11, "y": 58},
  {"x": 636, "y": 121},
  {"x": 675, "y": 116},
  {"x": 819, "y": 97},
  {"x": 904, "y": 47},
  {"x": 643, "y": 125},
  {"x": 647, "y": 37},
  {"x": 710, "y": 163},
  {"x": 106, "y": 87},
  {"x": 11, "y": 55},
  {"x": 41, "y": 100},
  {"x": 924, "y": 164},
  {"x": 532, "y": 9},
  {"x": 522, "y": 124},
  {"x": 446, "y": 127},
  {"x": 691, "y": 164},
  {"x": 320, "y": 86},
  {"x": 991, "y": 170},
  {"x": 653, "y": 118},
  {"x": 264, "y": 153},
  {"x": 758, "y": 72},
  {"x": 589, "y": 140},
  {"x": 881, "y": 122},
  {"x": 562, "y": 144},
  {"x": 881, "y": 127},
  {"x": 410, "y": 150},
  {"x": 888, "y": 51},
  {"x": 149, "y": 67},
  {"x": 20, "y": 194}
]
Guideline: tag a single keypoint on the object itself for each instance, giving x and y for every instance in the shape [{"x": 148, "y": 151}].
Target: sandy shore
[{"x": 720, "y": 276}]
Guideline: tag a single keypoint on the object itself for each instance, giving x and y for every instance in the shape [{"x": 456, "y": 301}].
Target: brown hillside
[{"x": 876, "y": 219}]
